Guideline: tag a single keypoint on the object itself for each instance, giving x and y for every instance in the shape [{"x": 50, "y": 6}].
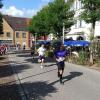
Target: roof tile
[{"x": 18, "y": 23}]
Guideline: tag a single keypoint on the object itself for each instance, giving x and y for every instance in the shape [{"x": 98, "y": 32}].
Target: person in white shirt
[{"x": 41, "y": 52}]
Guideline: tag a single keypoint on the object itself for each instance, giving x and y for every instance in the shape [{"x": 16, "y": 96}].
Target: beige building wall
[
  {"x": 6, "y": 29},
  {"x": 20, "y": 40}
]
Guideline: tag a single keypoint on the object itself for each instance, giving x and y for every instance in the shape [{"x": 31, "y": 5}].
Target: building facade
[
  {"x": 7, "y": 37},
  {"x": 81, "y": 29},
  {"x": 15, "y": 31}
]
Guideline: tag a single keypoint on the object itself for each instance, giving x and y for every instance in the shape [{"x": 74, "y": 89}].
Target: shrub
[
  {"x": 50, "y": 54},
  {"x": 83, "y": 57}
]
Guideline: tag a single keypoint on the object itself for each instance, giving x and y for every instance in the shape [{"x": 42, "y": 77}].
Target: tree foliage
[
  {"x": 60, "y": 12},
  {"x": 39, "y": 22},
  {"x": 50, "y": 19},
  {"x": 1, "y": 21},
  {"x": 91, "y": 12}
]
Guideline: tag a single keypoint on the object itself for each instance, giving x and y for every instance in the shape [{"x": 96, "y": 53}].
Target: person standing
[
  {"x": 17, "y": 47},
  {"x": 41, "y": 52},
  {"x": 33, "y": 50},
  {"x": 24, "y": 45},
  {"x": 60, "y": 59}
]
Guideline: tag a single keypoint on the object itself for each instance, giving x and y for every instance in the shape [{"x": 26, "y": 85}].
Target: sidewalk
[{"x": 8, "y": 86}]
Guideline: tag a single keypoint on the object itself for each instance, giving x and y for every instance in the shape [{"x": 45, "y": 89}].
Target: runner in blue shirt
[{"x": 60, "y": 59}]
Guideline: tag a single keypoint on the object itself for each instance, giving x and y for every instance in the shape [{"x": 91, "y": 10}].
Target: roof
[{"x": 17, "y": 23}]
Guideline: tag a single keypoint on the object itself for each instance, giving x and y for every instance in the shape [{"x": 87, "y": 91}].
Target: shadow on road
[
  {"x": 29, "y": 58},
  {"x": 32, "y": 91},
  {"x": 72, "y": 75},
  {"x": 35, "y": 60},
  {"x": 69, "y": 77},
  {"x": 21, "y": 67},
  {"x": 38, "y": 90},
  {"x": 9, "y": 92},
  {"x": 2, "y": 58},
  {"x": 24, "y": 55},
  {"x": 29, "y": 76},
  {"x": 50, "y": 65},
  {"x": 6, "y": 70}
]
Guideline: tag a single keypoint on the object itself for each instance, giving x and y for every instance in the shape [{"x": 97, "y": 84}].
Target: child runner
[{"x": 41, "y": 52}]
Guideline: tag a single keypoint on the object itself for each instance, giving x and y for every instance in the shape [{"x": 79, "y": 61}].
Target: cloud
[{"x": 12, "y": 10}]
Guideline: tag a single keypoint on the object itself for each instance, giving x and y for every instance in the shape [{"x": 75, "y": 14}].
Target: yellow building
[{"x": 15, "y": 31}]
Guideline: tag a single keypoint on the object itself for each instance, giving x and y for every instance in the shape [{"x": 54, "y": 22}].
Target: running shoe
[{"x": 41, "y": 67}]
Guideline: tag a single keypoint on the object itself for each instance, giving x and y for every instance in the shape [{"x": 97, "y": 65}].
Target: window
[
  {"x": 1, "y": 35},
  {"x": 79, "y": 24},
  {"x": 17, "y": 35},
  {"x": 76, "y": 5},
  {"x": 80, "y": 4},
  {"x": 8, "y": 34},
  {"x": 24, "y": 35}
]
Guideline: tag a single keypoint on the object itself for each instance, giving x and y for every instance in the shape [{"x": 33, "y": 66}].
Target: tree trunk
[{"x": 92, "y": 41}]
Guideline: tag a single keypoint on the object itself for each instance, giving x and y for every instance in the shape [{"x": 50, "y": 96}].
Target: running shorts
[
  {"x": 41, "y": 57},
  {"x": 61, "y": 65}
]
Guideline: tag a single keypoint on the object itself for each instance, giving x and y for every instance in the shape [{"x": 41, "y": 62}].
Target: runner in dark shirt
[{"x": 60, "y": 59}]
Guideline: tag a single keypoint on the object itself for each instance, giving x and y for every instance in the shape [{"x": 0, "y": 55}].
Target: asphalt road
[{"x": 80, "y": 83}]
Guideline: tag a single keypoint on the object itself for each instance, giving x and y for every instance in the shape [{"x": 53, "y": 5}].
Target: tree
[
  {"x": 1, "y": 21},
  {"x": 91, "y": 14},
  {"x": 51, "y": 18},
  {"x": 60, "y": 12},
  {"x": 39, "y": 22}
]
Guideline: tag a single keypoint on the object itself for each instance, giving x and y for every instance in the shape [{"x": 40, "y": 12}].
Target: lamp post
[
  {"x": 35, "y": 40},
  {"x": 63, "y": 32}
]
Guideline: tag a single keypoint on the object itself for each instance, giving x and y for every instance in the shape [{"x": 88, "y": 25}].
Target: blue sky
[{"x": 23, "y": 8}]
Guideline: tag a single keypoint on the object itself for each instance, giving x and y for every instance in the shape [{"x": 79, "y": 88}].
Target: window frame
[
  {"x": 8, "y": 34},
  {"x": 17, "y": 35},
  {"x": 23, "y": 35}
]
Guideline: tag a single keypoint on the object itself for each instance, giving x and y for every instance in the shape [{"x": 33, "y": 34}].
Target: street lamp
[
  {"x": 35, "y": 40},
  {"x": 63, "y": 32}
]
